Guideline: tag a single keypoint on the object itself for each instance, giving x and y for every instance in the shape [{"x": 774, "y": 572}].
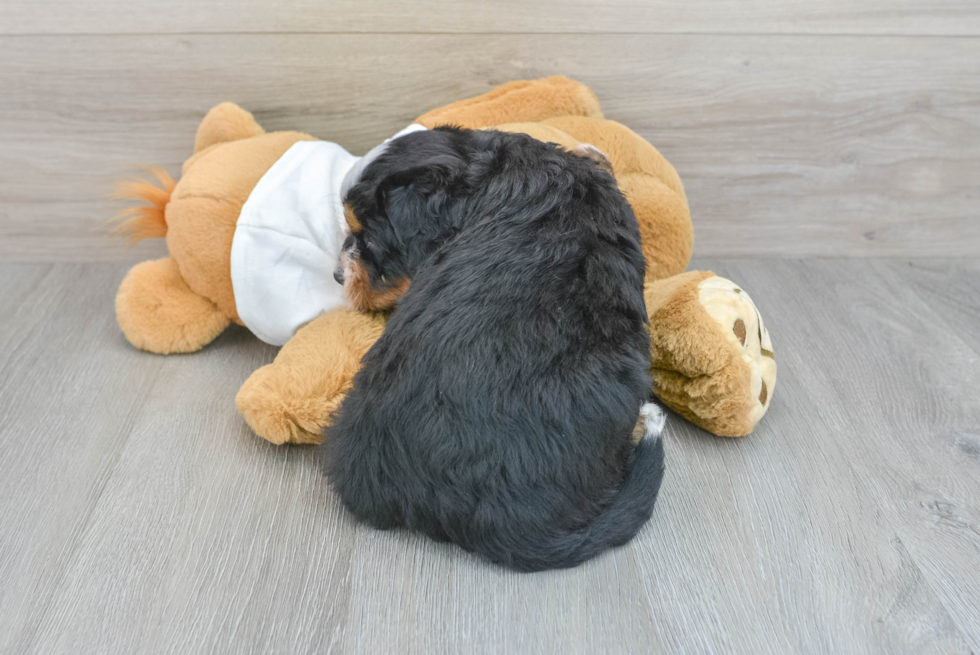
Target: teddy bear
[{"x": 255, "y": 222}]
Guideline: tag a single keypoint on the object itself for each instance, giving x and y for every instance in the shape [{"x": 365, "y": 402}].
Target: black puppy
[{"x": 497, "y": 410}]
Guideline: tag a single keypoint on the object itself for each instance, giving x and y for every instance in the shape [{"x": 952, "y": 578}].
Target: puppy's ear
[
  {"x": 404, "y": 205},
  {"x": 414, "y": 198},
  {"x": 429, "y": 175}
]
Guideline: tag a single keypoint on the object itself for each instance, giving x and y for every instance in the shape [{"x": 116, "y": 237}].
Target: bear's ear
[
  {"x": 589, "y": 151},
  {"x": 225, "y": 122}
]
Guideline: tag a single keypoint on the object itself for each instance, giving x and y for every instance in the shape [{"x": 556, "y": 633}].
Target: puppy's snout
[{"x": 338, "y": 274}]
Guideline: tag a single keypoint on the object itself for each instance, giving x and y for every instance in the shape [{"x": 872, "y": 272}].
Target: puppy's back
[{"x": 497, "y": 409}]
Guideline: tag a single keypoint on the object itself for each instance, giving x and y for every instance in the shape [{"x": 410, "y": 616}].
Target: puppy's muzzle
[{"x": 338, "y": 274}]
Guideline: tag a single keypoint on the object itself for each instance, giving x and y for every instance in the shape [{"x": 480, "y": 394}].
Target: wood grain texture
[
  {"x": 475, "y": 16},
  {"x": 69, "y": 396},
  {"x": 142, "y": 515},
  {"x": 952, "y": 292},
  {"x": 895, "y": 388},
  {"x": 207, "y": 539},
  {"x": 788, "y": 146}
]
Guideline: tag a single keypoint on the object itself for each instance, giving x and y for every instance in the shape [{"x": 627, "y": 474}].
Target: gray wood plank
[
  {"x": 739, "y": 557},
  {"x": 788, "y": 146},
  {"x": 846, "y": 523},
  {"x": 69, "y": 395},
  {"x": 206, "y": 539},
  {"x": 18, "y": 287},
  {"x": 455, "y": 16},
  {"x": 412, "y": 596},
  {"x": 896, "y": 390},
  {"x": 951, "y": 288}
]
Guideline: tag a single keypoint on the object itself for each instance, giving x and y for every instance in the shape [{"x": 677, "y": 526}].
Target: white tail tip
[{"x": 654, "y": 420}]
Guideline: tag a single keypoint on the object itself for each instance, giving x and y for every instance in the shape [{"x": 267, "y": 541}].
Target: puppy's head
[{"x": 399, "y": 210}]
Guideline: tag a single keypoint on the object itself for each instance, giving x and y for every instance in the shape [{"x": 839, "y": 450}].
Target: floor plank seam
[{"x": 908, "y": 545}]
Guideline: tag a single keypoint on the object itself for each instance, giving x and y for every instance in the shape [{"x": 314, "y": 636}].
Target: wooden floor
[
  {"x": 800, "y": 127},
  {"x": 830, "y": 150},
  {"x": 140, "y": 514}
]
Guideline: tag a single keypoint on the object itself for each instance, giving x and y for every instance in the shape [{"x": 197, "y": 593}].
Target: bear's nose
[{"x": 338, "y": 274}]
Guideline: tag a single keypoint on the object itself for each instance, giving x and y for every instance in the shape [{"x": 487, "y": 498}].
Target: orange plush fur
[
  {"x": 704, "y": 364},
  {"x": 291, "y": 399},
  {"x": 181, "y": 303},
  {"x": 158, "y": 312},
  {"x": 145, "y": 221}
]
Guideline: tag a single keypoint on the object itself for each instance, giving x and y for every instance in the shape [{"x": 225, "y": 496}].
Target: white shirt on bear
[{"x": 289, "y": 235}]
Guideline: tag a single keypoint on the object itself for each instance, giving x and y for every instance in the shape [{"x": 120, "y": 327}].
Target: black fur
[{"x": 497, "y": 408}]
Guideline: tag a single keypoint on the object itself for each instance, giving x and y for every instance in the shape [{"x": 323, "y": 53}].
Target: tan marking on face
[
  {"x": 739, "y": 330},
  {"x": 352, "y": 222},
  {"x": 764, "y": 394},
  {"x": 361, "y": 296}
]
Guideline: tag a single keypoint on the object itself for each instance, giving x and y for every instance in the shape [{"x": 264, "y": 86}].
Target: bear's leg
[
  {"x": 518, "y": 102},
  {"x": 291, "y": 399},
  {"x": 158, "y": 312},
  {"x": 711, "y": 355}
]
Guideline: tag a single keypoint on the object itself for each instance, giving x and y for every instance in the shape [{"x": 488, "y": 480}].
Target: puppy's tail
[
  {"x": 619, "y": 522},
  {"x": 145, "y": 221}
]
